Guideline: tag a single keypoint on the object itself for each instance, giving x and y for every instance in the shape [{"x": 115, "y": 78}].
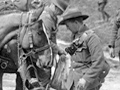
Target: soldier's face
[{"x": 73, "y": 25}]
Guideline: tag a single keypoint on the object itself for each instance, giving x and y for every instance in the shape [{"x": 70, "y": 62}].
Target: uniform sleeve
[
  {"x": 97, "y": 57},
  {"x": 114, "y": 34}
]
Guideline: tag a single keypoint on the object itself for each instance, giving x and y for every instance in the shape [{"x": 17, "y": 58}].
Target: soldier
[
  {"x": 88, "y": 65},
  {"x": 49, "y": 18},
  {"x": 50, "y": 14},
  {"x": 101, "y": 6},
  {"x": 115, "y": 35}
]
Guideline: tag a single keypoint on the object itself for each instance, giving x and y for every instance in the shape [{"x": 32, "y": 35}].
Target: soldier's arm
[{"x": 95, "y": 48}]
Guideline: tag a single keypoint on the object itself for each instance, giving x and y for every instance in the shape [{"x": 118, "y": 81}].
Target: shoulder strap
[{"x": 84, "y": 36}]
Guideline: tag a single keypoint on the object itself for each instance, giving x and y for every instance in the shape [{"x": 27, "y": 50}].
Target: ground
[{"x": 112, "y": 81}]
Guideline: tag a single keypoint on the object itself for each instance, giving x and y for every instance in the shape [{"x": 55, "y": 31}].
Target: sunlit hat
[{"x": 70, "y": 13}]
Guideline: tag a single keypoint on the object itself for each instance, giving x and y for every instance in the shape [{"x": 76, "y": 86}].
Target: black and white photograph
[{"x": 59, "y": 44}]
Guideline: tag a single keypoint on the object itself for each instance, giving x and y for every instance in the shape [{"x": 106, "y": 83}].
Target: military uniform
[
  {"x": 88, "y": 62},
  {"x": 49, "y": 19},
  {"x": 50, "y": 22},
  {"x": 87, "y": 59}
]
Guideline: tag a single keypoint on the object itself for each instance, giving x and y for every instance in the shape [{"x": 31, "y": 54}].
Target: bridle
[
  {"x": 22, "y": 57},
  {"x": 32, "y": 50}
]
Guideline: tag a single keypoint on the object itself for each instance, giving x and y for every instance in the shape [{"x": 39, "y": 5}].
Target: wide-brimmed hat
[
  {"x": 70, "y": 13},
  {"x": 62, "y": 4}
]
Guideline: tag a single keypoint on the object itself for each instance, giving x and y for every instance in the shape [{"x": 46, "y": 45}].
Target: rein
[{"x": 32, "y": 52}]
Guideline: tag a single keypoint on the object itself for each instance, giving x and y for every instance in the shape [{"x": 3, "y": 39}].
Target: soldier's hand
[
  {"x": 81, "y": 84},
  {"x": 112, "y": 52}
]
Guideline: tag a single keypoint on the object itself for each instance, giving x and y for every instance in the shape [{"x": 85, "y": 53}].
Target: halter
[{"x": 32, "y": 50}]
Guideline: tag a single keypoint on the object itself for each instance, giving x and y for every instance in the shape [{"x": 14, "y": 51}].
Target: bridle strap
[
  {"x": 18, "y": 40},
  {"x": 49, "y": 43},
  {"x": 30, "y": 31},
  {"x": 33, "y": 52},
  {"x": 41, "y": 49}
]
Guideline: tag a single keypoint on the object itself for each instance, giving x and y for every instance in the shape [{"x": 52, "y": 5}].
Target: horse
[{"x": 9, "y": 30}]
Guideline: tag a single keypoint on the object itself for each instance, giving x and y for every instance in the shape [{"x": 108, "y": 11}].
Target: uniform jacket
[
  {"x": 50, "y": 22},
  {"x": 88, "y": 62}
]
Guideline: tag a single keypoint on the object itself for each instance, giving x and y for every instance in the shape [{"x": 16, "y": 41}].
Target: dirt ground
[{"x": 112, "y": 81}]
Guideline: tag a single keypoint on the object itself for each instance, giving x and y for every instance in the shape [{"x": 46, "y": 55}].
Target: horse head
[
  {"x": 33, "y": 43},
  {"x": 37, "y": 52}
]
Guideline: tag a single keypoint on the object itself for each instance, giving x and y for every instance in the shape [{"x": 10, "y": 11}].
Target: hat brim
[{"x": 62, "y": 20}]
